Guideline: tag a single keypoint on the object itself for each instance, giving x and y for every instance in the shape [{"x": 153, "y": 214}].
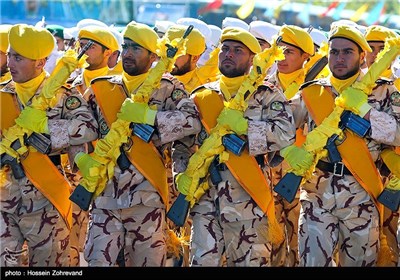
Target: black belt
[{"x": 338, "y": 169}]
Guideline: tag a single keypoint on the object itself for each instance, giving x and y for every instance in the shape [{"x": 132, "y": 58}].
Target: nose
[
  {"x": 340, "y": 57},
  {"x": 229, "y": 54}
]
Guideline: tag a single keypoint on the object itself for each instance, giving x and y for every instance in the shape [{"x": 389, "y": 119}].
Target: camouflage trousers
[
  {"x": 80, "y": 220},
  {"x": 287, "y": 213},
  {"x": 238, "y": 244},
  {"x": 337, "y": 214},
  {"x": 139, "y": 230},
  {"x": 45, "y": 233}
]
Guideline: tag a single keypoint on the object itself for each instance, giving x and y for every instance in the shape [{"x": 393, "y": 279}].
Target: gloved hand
[
  {"x": 137, "y": 112},
  {"x": 33, "y": 119},
  {"x": 87, "y": 165},
  {"x": 298, "y": 158},
  {"x": 233, "y": 120},
  {"x": 393, "y": 184},
  {"x": 183, "y": 183},
  {"x": 354, "y": 100},
  {"x": 392, "y": 161}
]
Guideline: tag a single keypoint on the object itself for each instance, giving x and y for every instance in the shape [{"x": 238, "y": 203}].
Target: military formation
[{"x": 191, "y": 145}]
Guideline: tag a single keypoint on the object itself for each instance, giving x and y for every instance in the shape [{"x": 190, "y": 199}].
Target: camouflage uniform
[
  {"x": 130, "y": 213},
  {"x": 286, "y": 253},
  {"x": 226, "y": 220},
  {"x": 26, "y": 214},
  {"x": 391, "y": 218},
  {"x": 80, "y": 218},
  {"x": 336, "y": 211}
]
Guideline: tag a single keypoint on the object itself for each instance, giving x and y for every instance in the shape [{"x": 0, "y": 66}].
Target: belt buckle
[{"x": 338, "y": 168}]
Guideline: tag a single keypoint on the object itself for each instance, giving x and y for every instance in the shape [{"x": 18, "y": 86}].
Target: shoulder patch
[
  {"x": 395, "y": 98},
  {"x": 202, "y": 135},
  {"x": 103, "y": 127},
  {"x": 277, "y": 106},
  {"x": 72, "y": 102},
  {"x": 177, "y": 94}
]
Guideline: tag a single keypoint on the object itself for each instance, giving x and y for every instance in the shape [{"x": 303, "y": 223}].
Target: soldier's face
[
  {"x": 235, "y": 59},
  {"x": 136, "y": 60},
  {"x": 376, "y": 48},
  {"x": 183, "y": 65},
  {"x": 23, "y": 69},
  {"x": 3, "y": 63},
  {"x": 344, "y": 58},
  {"x": 294, "y": 59}
]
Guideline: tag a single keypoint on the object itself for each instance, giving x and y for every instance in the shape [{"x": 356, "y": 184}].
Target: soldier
[
  {"x": 287, "y": 79},
  {"x": 130, "y": 213},
  {"x": 338, "y": 200},
  {"x": 230, "y": 216},
  {"x": 5, "y": 74},
  {"x": 376, "y": 36},
  {"x": 104, "y": 45},
  {"x": 265, "y": 32},
  {"x": 35, "y": 207}
]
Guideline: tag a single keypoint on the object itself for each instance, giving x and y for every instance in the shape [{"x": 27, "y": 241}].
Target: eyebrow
[{"x": 345, "y": 49}]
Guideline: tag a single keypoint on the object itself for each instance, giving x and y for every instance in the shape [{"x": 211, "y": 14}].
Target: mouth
[
  {"x": 129, "y": 62},
  {"x": 228, "y": 62}
]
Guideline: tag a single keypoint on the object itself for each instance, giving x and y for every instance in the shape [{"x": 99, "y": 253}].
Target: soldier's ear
[{"x": 40, "y": 63}]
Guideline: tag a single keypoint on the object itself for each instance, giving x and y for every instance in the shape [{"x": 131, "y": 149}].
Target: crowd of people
[{"x": 282, "y": 141}]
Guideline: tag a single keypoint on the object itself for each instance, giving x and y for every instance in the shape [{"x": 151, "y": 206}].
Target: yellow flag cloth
[{"x": 246, "y": 9}]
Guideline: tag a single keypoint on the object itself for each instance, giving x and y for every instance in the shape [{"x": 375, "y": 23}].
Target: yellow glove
[
  {"x": 137, "y": 112},
  {"x": 392, "y": 161},
  {"x": 354, "y": 100},
  {"x": 87, "y": 165},
  {"x": 183, "y": 183},
  {"x": 33, "y": 119},
  {"x": 299, "y": 159},
  {"x": 233, "y": 120},
  {"x": 393, "y": 184}
]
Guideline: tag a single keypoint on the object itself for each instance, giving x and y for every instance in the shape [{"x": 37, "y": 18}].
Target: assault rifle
[{"x": 287, "y": 187}]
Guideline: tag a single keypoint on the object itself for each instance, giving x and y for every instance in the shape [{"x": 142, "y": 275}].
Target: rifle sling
[
  {"x": 50, "y": 183},
  {"x": 244, "y": 167},
  {"x": 354, "y": 151},
  {"x": 144, "y": 156}
]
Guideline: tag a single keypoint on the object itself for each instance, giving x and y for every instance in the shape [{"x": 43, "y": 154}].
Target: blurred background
[{"x": 304, "y": 13}]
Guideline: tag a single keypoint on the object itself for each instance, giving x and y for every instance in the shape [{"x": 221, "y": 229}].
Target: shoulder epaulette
[
  {"x": 168, "y": 76},
  {"x": 320, "y": 82},
  {"x": 384, "y": 81},
  {"x": 112, "y": 79},
  {"x": 211, "y": 86},
  {"x": 3, "y": 83},
  {"x": 267, "y": 84}
]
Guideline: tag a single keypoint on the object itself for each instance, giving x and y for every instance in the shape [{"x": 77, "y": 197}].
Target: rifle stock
[
  {"x": 390, "y": 199},
  {"x": 287, "y": 187},
  {"x": 179, "y": 210},
  {"x": 81, "y": 197}
]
